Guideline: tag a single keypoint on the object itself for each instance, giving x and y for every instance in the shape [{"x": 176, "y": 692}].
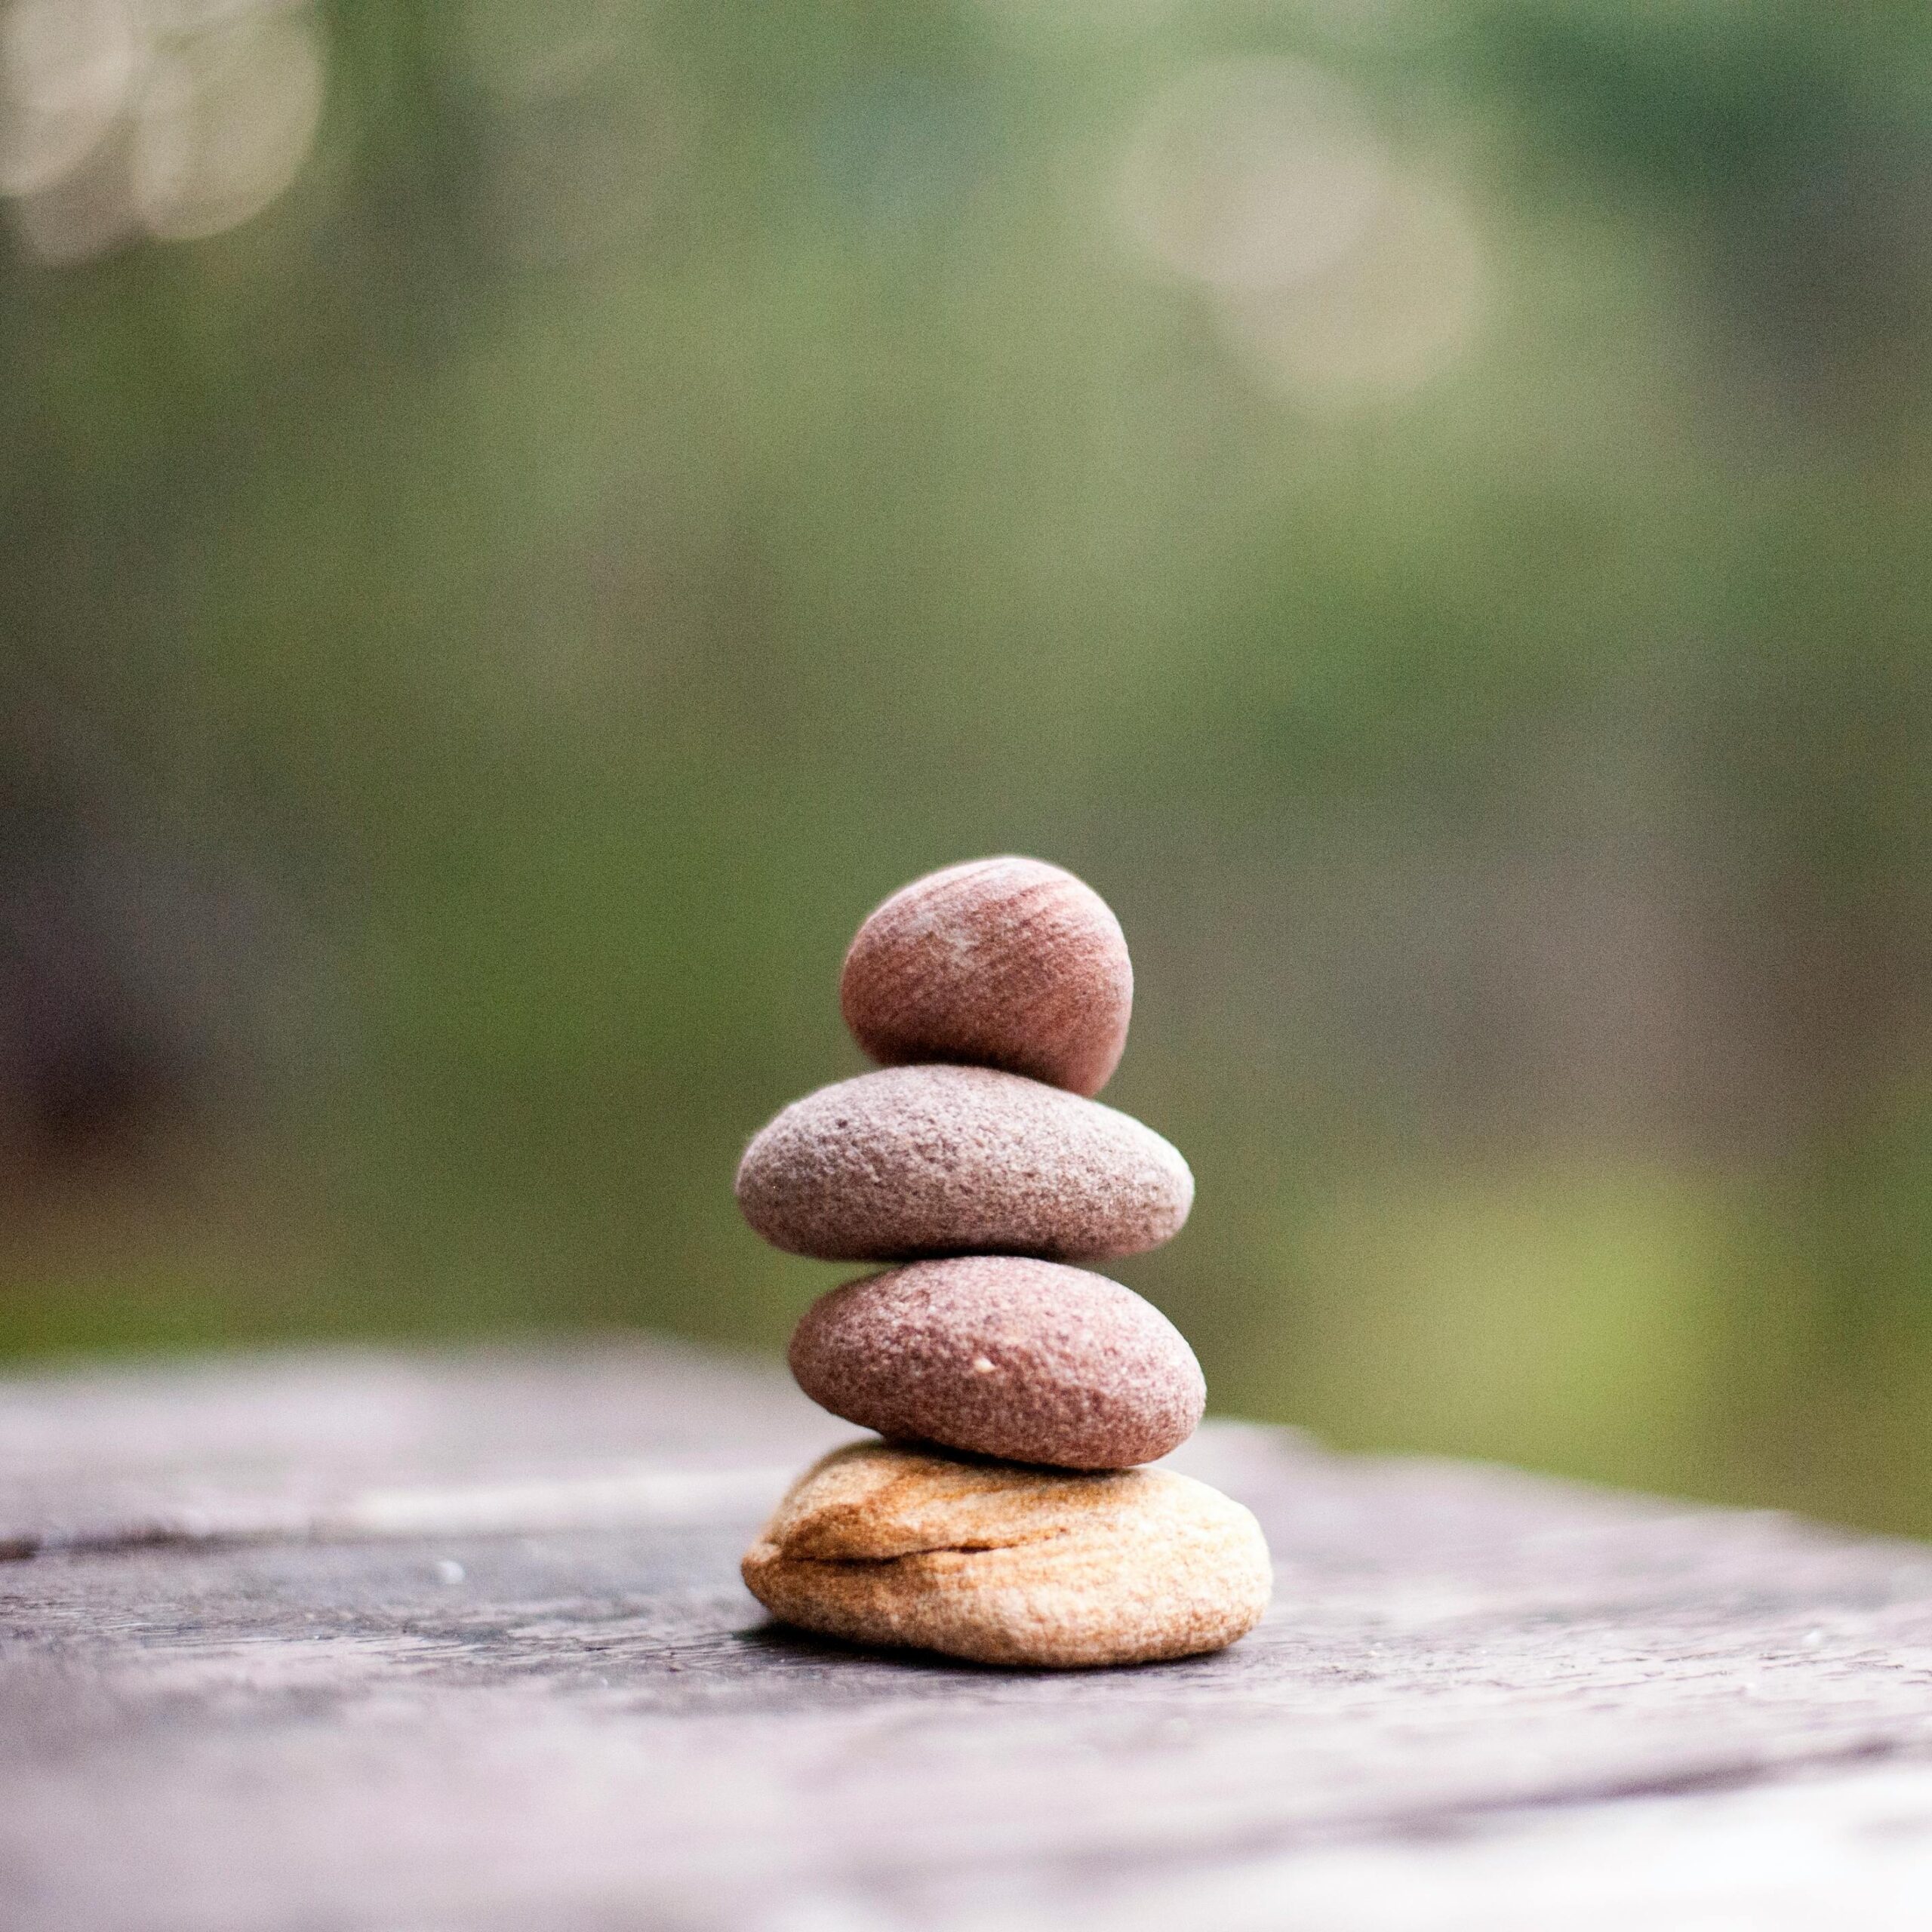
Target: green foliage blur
[{"x": 480, "y": 632}]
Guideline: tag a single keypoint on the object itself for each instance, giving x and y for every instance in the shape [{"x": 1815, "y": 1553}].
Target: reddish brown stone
[
  {"x": 1027, "y": 1360},
  {"x": 1008, "y": 963}
]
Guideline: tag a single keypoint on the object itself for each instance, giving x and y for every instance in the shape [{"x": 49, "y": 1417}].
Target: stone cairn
[{"x": 1004, "y": 1517}]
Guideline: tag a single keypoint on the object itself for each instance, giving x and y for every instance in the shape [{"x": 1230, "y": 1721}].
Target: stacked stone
[{"x": 1004, "y": 1517}]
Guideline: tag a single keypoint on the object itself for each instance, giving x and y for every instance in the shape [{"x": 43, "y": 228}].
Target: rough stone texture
[
  {"x": 1003, "y": 1565},
  {"x": 1028, "y": 1360},
  {"x": 1482, "y": 1701},
  {"x": 920, "y": 1160},
  {"x": 1007, "y": 962}
]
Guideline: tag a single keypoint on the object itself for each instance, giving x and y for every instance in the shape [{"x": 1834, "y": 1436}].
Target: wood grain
[{"x": 422, "y": 1644}]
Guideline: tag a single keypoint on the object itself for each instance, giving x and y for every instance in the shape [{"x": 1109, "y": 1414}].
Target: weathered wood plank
[
  {"x": 1482, "y": 1699},
  {"x": 361, "y": 1443}
]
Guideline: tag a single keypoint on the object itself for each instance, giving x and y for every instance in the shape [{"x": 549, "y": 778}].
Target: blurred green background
[{"x": 520, "y": 520}]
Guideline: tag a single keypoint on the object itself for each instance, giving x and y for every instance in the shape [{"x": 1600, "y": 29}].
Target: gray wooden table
[{"x": 413, "y": 1643}]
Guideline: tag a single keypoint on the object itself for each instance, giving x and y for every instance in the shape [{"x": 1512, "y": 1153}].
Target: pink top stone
[{"x": 1008, "y": 963}]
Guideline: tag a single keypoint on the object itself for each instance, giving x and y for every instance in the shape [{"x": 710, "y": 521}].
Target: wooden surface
[{"x": 420, "y": 1643}]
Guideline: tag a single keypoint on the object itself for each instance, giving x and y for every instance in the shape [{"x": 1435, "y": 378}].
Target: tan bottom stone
[{"x": 1010, "y": 1565}]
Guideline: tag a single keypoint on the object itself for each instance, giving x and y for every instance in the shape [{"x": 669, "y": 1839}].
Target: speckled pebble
[
  {"x": 1010, "y": 1566},
  {"x": 919, "y": 1161},
  {"x": 1008, "y": 963},
  {"x": 1024, "y": 1359}
]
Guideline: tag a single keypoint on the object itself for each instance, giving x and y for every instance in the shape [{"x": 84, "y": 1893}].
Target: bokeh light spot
[
  {"x": 67, "y": 68},
  {"x": 1399, "y": 308},
  {"x": 225, "y": 123},
  {"x": 178, "y": 118},
  {"x": 1250, "y": 174}
]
